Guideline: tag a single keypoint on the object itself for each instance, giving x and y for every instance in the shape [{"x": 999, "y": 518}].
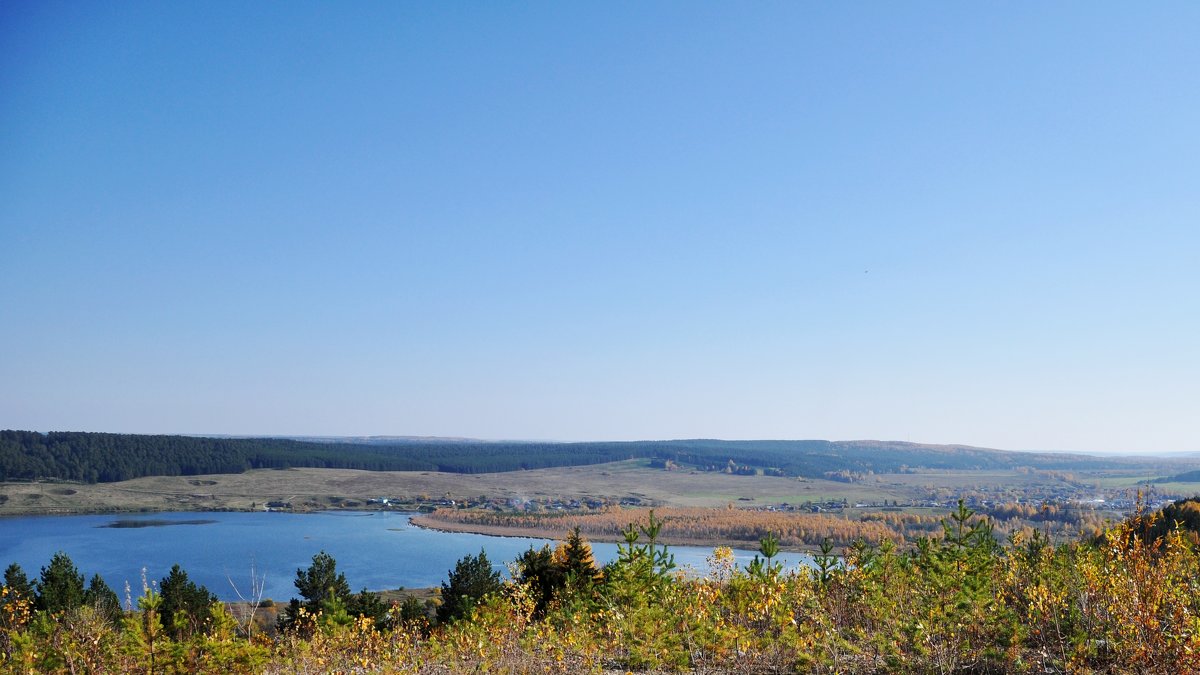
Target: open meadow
[
  {"x": 911, "y": 503},
  {"x": 308, "y": 489},
  {"x": 334, "y": 488}
]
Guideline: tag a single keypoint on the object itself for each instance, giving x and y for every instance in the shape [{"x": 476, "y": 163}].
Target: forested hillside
[
  {"x": 1185, "y": 477},
  {"x": 102, "y": 457},
  {"x": 99, "y": 457}
]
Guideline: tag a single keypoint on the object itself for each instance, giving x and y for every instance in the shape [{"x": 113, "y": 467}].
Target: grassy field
[
  {"x": 314, "y": 489},
  {"x": 334, "y": 488},
  {"x": 1125, "y": 479}
]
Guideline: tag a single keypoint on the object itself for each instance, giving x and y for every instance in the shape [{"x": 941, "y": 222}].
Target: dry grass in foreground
[{"x": 1129, "y": 603}]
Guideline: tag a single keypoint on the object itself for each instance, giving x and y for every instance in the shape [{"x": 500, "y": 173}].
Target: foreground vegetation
[{"x": 1125, "y": 602}]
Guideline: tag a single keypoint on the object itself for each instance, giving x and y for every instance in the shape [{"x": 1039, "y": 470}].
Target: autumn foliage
[
  {"x": 684, "y": 524},
  {"x": 957, "y": 602}
]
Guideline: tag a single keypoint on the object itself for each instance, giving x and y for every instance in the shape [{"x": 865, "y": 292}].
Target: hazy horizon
[
  {"x": 418, "y": 439},
  {"x": 938, "y": 223}
]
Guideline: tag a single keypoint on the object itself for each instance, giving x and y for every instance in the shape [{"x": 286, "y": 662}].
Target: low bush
[{"x": 960, "y": 602}]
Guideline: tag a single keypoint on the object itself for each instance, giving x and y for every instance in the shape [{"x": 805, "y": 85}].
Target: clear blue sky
[{"x": 940, "y": 222}]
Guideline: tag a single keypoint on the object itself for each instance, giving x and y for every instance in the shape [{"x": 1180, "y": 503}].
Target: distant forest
[
  {"x": 1185, "y": 477},
  {"x": 103, "y": 457}
]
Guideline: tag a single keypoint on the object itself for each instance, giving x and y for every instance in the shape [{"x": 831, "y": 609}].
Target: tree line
[
  {"x": 688, "y": 523},
  {"x": 103, "y": 457}
]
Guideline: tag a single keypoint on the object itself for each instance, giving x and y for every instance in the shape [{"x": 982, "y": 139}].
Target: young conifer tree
[
  {"x": 61, "y": 585},
  {"x": 471, "y": 580},
  {"x": 578, "y": 563}
]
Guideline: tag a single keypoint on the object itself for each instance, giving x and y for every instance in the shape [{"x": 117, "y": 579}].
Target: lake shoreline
[
  {"x": 423, "y": 520},
  {"x": 429, "y": 521},
  {"x": 374, "y": 549}
]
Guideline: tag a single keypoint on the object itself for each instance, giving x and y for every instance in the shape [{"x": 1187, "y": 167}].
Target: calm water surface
[{"x": 376, "y": 550}]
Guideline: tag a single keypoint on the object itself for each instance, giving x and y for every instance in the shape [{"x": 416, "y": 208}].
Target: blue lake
[{"x": 376, "y": 550}]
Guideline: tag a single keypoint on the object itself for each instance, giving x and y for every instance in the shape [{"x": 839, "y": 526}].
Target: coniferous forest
[
  {"x": 104, "y": 457},
  {"x": 959, "y": 602},
  {"x": 101, "y": 457}
]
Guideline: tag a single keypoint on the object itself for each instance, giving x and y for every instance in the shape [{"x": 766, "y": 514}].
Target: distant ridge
[
  {"x": 359, "y": 440},
  {"x": 1185, "y": 477},
  {"x": 103, "y": 457}
]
